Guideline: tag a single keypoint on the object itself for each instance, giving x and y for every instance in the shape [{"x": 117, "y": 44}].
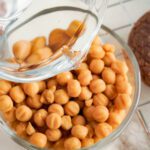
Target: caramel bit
[
  {"x": 76, "y": 28},
  {"x": 53, "y": 121},
  {"x": 23, "y": 113},
  {"x": 30, "y": 129},
  {"x": 58, "y": 38},
  {"x": 38, "y": 139},
  {"x": 79, "y": 131},
  {"x": 21, "y": 50},
  {"x": 38, "y": 43},
  {"x": 66, "y": 122},
  {"x": 6, "y": 103},
  {"x": 103, "y": 130},
  {"x": 72, "y": 143},
  {"x": 5, "y": 87}
]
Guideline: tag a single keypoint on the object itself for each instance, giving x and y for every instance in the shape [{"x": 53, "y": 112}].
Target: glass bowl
[
  {"x": 122, "y": 52},
  {"x": 39, "y": 20}
]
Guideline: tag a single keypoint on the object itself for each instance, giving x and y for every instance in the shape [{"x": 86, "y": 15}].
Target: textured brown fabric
[{"x": 139, "y": 41}]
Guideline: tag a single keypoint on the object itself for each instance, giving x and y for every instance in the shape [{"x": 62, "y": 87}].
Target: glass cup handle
[
  {"x": 3, "y": 12},
  {"x": 1, "y": 30},
  {"x": 143, "y": 112},
  {"x": 3, "y": 9}
]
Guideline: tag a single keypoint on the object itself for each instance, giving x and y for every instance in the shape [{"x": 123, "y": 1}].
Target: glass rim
[{"x": 117, "y": 132}]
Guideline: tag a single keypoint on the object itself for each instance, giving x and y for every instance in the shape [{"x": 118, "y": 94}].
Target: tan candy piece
[{"x": 38, "y": 139}]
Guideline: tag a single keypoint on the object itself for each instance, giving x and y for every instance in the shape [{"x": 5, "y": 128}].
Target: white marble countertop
[{"x": 134, "y": 137}]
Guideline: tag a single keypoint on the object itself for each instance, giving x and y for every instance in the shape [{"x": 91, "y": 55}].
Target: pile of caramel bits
[
  {"x": 74, "y": 109},
  {"x": 36, "y": 51}
]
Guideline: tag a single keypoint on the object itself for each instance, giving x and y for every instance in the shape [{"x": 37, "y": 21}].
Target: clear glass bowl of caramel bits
[
  {"x": 87, "y": 107},
  {"x": 78, "y": 98}
]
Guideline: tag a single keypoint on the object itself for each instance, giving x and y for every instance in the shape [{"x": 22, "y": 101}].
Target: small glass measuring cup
[{"x": 40, "y": 19}]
